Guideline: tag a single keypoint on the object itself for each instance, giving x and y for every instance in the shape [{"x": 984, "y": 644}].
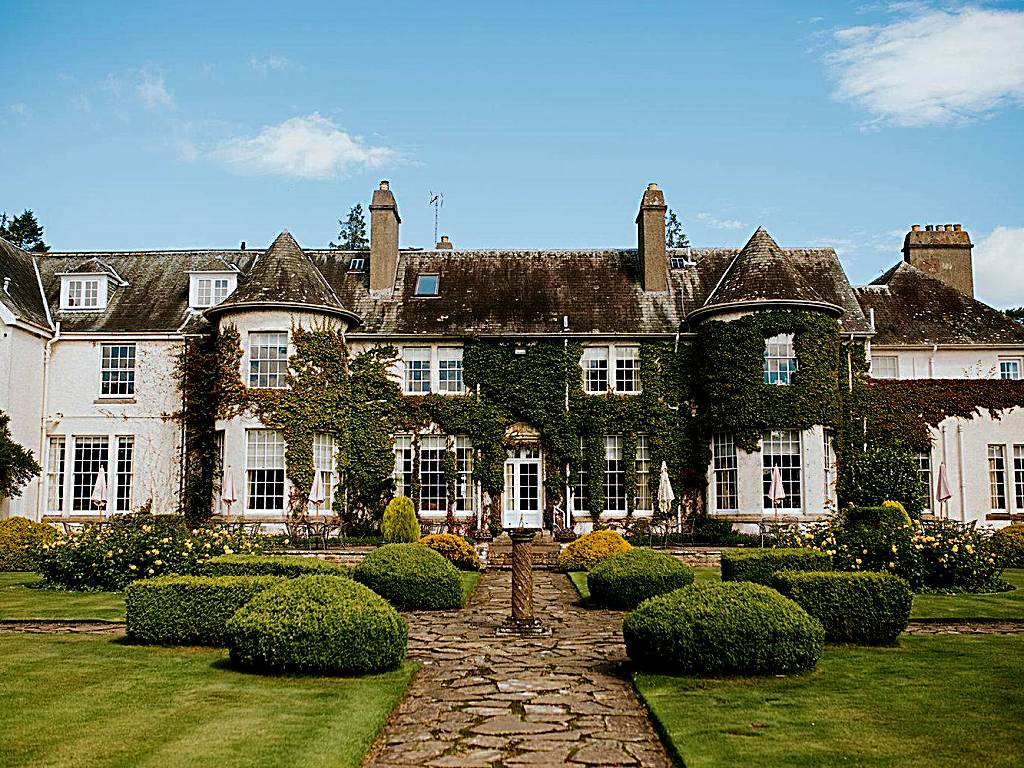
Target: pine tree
[
  {"x": 1016, "y": 313},
  {"x": 17, "y": 466},
  {"x": 24, "y": 231},
  {"x": 674, "y": 235},
  {"x": 352, "y": 236}
]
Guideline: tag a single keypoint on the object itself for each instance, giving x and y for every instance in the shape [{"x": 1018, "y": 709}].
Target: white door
[{"x": 522, "y": 497}]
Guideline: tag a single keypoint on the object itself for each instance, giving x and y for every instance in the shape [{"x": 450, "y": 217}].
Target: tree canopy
[
  {"x": 674, "y": 235},
  {"x": 24, "y": 231},
  {"x": 17, "y": 466},
  {"x": 352, "y": 236}
]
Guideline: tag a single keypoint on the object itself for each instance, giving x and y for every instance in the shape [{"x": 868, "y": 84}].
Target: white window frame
[
  {"x": 417, "y": 379},
  {"x": 464, "y": 495},
  {"x": 643, "y": 497},
  {"x": 1018, "y": 475},
  {"x": 780, "y": 361},
  {"x": 449, "y": 362},
  {"x": 429, "y": 359},
  {"x": 265, "y": 452},
  {"x": 773, "y": 444},
  {"x": 627, "y": 359},
  {"x": 325, "y": 454},
  {"x": 614, "y": 475},
  {"x": 274, "y": 376},
  {"x": 113, "y": 376},
  {"x": 924, "y": 471},
  {"x": 433, "y": 499},
  {"x": 595, "y": 367},
  {"x": 889, "y": 370},
  {"x": 725, "y": 466},
  {"x": 602, "y": 361},
  {"x": 581, "y": 490},
  {"x": 216, "y": 286},
  {"x": 436, "y": 277},
  {"x": 76, "y": 288},
  {"x": 997, "y": 478},
  {"x": 1014, "y": 368},
  {"x": 404, "y": 465},
  {"x": 56, "y": 470},
  {"x": 124, "y": 473}
]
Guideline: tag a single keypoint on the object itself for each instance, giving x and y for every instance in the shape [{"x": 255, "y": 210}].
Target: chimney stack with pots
[
  {"x": 650, "y": 224},
  {"x": 384, "y": 221},
  {"x": 944, "y": 252},
  {"x": 444, "y": 244}
]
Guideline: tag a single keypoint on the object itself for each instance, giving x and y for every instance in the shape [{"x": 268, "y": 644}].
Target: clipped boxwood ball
[
  {"x": 728, "y": 627},
  {"x": 626, "y": 580},
  {"x": 319, "y": 624},
  {"x": 412, "y": 577},
  {"x": 590, "y": 549}
]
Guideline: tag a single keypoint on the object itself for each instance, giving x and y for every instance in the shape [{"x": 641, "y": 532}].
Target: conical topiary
[{"x": 400, "y": 525}]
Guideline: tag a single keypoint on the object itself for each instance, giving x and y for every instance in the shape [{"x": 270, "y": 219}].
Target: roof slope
[
  {"x": 912, "y": 307},
  {"x": 23, "y": 296}
]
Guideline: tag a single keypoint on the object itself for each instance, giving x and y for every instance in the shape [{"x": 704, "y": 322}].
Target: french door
[{"x": 522, "y": 498}]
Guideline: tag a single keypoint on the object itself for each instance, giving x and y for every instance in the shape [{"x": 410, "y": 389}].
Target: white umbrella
[
  {"x": 316, "y": 493},
  {"x": 228, "y": 493},
  {"x": 99, "y": 490},
  {"x": 666, "y": 495},
  {"x": 776, "y": 491},
  {"x": 943, "y": 492}
]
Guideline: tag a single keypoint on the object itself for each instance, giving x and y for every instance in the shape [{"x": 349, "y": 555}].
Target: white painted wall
[
  {"x": 21, "y": 376},
  {"x": 963, "y": 362}
]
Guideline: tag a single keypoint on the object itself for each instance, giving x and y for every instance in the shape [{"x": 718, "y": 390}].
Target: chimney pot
[
  {"x": 243, "y": 245},
  {"x": 928, "y": 228},
  {"x": 444, "y": 244},
  {"x": 956, "y": 227},
  {"x": 915, "y": 228},
  {"x": 7, "y": 285},
  {"x": 385, "y": 185}
]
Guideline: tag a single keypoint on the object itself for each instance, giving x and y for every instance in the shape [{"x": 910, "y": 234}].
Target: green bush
[
  {"x": 626, "y": 580},
  {"x": 590, "y": 549},
  {"x": 715, "y": 628},
  {"x": 1008, "y": 546},
  {"x": 289, "y": 566},
  {"x": 861, "y": 608},
  {"x": 411, "y": 576},
  {"x": 188, "y": 610},
  {"x": 400, "y": 525},
  {"x": 21, "y": 541},
  {"x": 318, "y": 624},
  {"x": 459, "y": 551},
  {"x": 758, "y": 565},
  {"x": 885, "y": 471},
  {"x": 877, "y": 539}
]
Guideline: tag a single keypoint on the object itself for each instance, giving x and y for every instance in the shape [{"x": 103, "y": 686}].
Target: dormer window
[
  {"x": 83, "y": 292},
  {"x": 427, "y": 285},
  {"x": 208, "y": 289}
]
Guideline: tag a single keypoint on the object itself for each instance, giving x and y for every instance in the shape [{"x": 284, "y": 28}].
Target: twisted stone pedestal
[{"x": 522, "y": 621}]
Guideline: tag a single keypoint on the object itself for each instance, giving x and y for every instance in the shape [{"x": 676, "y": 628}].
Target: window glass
[
  {"x": 55, "y": 474},
  {"x": 627, "y": 369},
  {"x": 427, "y": 285},
  {"x": 433, "y": 489},
  {"x": 268, "y": 360},
  {"x": 1009, "y": 369},
  {"x": 997, "y": 476},
  {"x": 924, "y": 469},
  {"x": 581, "y": 492},
  {"x": 464, "y": 468},
  {"x": 265, "y": 470},
  {"x": 417, "y": 370},
  {"x": 1018, "y": 475},
  {"x": 885, "y": 367},
  {"x": 779, "y": 359},
  {"x": 83, "y": 294},
  {"x": 595, "y": 370},
  {"x": 726, "y": 483},
  {"x": 449, "y": 370},
  {"x": 614, "y": 475},
  {"x": 323, "y": 465},
  {"x": 90, "y": 459},
  {"x": 781, "y": 448},
  {"x": 125, "y": 463},
  {"x": 643, "y": 474},
  {"x": 403, "y": 465},
  {"x": 117, "y": 370}
]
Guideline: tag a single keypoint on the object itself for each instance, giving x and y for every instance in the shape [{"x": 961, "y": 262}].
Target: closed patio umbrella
[
  {"x": 228, "y": 493},
  {"x": 943, "y": 492},
  {"x": 316, "y": 492},
  {"x": 99, "y": 490},
  {"x": 666, "y": 495},
  {"x": 776, "y": 491}
]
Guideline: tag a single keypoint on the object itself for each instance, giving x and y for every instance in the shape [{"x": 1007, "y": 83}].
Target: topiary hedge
[
  {"x": 1008, "y": 546},
  {"x": 188, "y": 610},
  {"x": 289, "y": 566},
  {"x": 758, "y": 565},
  {"x": 590, "y": 549},
  {"x": 20, "y": 541},
  {"x": 456, "y": 549},
  {"x": 400, "y": 525},
  {"x": 319, "y": 624},
  {"x": 861, "y": 608},
  {"x": 719, "y": 628},
  {"x": 626, "y": 580},
  {"x": 411, "y": 576}
]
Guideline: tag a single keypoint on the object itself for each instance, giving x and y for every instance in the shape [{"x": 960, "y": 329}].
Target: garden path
[{"x": 487, "y": 700}]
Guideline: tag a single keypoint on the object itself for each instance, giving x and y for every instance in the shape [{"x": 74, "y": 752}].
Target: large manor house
[{"x": 92, "y": 343}]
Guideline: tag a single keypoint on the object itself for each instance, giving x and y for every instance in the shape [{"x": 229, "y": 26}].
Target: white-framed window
[
  {"x": 924, "y": 471},
  {"x": 433, "y": 488},
  {"x": 614, "y": 475},
  {"x": 627, "y": 370},
  {"x": 268, "y": 359},
  {"x": 464, "y": 468},
  {"x": 595, "y": 370},
  {"x": 208, "y": 290},
  {"x": 428, "y": 285},
  {"x": 997, "y": 476},
  {"x": 725, "y": 468},
  {"x": 449, "y": 370},
  {"x": 779, "y": 359},
  {"x": 885, "y": 367},
  {"x": 403, "y": 465},
  {"x": 125, "y": 472},
  {"x": 1010, "y": 368},
  {"x": 581, "y": 491},
  {"x": 117, "y": 370},
  {"x": 417, "y": 370},
  {"x": 1018, "y": 475},
  {"x": 644, "y": 501},
  {"x": 55, "y": 456},
  {"x": 612, "y": 368},
  {"x": 88, "y": 292},
  {"x": 781, "y": 448},
  {"x": 91, "y": 458},
  {"x": 323, "y": 464},
  {"x": 264, "y": 470}
]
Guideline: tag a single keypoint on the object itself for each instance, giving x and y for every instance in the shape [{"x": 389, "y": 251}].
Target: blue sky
[{"x": 204, "y": 124}]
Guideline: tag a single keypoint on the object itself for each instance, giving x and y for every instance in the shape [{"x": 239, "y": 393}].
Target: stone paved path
[
  {"x": 74, "y": 627},
  {"x": 488, "y": 700}
]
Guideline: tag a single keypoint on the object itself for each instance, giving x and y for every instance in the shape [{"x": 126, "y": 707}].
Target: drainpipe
[
  {"x": 849, "y": 368},
  {"x": 47, "y": 351},
  {"x": 931, "y": 361},
  {"x": 946, "y": 462},
  {"x": 960, "y": 468}
]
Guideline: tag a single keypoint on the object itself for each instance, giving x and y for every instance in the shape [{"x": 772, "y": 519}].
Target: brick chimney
[
  {"x": 444, "y": 244},
  {"x": 650, "y": 224},
  {"x": 944, "y": 252},
  {"x": 384, "y": 221}
]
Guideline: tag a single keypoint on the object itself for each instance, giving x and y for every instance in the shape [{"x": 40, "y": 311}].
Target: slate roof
[
  {"x": 22, "y": 296},
  {"x": 912, "y": 307}
]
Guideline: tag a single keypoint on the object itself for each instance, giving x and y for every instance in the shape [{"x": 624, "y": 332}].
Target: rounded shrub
[
  {"x": 716, "y": 628},
  {"x": 188, "y": 610},
  {"x": 456, "y": 549},
  {"x": 758, "y": 565},
  {"x": 20, "y": 539},
  {"x": 289, "y": 566},
  {"x": 590, "y": 549},
  {"x": 862, "y": 608},
  {"x": 400, "y": 525},
  {"x": 317, "y": 624},
  {"x": 411, "y": 576},
  {"x": 626, "y": 580},
  {"x": 878, "y": 539},
  {"x": 1008, "y": 546}
]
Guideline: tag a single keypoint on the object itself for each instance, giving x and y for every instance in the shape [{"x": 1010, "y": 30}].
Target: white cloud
[
  {"x": 310, "y": 147},
  {"x": 716, "y": 223},
  {"x": 268, "y": 63},
  {"x": 153, "y": 93},
  {"x": 19, "y": 108},
  {"x": 999, "y": 267},
  {"x": 932, "y": 67}
]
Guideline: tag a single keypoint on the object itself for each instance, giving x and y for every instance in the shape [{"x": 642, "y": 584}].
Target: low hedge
[
  {"x": 861, "y": 608},
  {"x": 20, "y": 541},
  {"x": 318, "y": 624},
  {"x": 188, "y": 610},
  {"x": 456, "y": 549},
  {"x": 758, "y": 565},
  {"x": 411, "y": 576},
  {"x": 626, "y": 580},
  {"x": 590, "y": 549},
  {"x": 1008, "y": 546},
  {"x": 289, "y": 566},
  {"x": 717, "y": 628}
]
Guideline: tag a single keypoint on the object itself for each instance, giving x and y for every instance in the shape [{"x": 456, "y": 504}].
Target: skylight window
[
  {"x": 427, "y": 285},
  {"x": 358, "y": 264}
]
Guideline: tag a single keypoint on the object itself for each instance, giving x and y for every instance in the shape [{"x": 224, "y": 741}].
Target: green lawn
[
  {"x": 469, "y": 582},
  {"x": 994, "y": 606},
  {"x": 933, "y": 701},
  {"x": 20, "y": 603},
  {"x": 579, "y": 580},
  {"x": 87, "y": 701}
]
